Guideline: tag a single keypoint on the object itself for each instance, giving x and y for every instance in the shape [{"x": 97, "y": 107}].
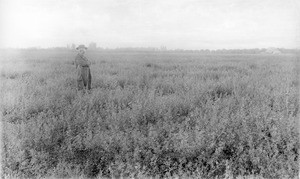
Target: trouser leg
[
  {"x": 89, "y": 80},
  {"x": 80, "y": 84},
  {"x": 86, "y": 76}
]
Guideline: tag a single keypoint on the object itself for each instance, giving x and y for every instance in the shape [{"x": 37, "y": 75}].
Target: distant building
[
  {"x": 163, "y": 48},
  {"x": 92, "y": 46},
  {"x": 274, "y": 51},
  {"x": 73, "y": 47}
]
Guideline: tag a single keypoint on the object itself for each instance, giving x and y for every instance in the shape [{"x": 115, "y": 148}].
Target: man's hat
[{"x": 81, "y": 46}]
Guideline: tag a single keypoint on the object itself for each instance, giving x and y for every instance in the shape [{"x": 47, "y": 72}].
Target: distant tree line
[{"x": 93, "y": 47}]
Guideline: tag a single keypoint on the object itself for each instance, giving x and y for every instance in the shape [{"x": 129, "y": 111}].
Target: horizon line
[{"x": 140, "y": 48}]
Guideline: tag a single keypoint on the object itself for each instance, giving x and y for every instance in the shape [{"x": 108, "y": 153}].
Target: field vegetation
[{"x": 150, "y": 114}]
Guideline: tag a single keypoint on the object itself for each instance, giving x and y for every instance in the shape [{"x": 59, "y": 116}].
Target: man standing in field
[{"x": 82, "y": 64}]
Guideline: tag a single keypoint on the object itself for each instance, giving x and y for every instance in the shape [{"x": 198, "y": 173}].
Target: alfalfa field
[{"x": 150, "y": 114}]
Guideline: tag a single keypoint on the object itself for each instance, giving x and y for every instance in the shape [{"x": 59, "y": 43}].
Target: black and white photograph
[{"x": 149, "y": 89}]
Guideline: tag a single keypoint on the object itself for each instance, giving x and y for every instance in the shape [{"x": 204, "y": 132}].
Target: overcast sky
[{"x": 186, "y": 24}]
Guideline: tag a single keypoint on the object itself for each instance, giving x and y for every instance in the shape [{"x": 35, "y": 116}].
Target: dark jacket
[{"x": 81, "y": 62}]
